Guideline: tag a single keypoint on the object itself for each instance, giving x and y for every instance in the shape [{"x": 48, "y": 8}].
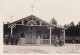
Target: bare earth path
[{"x": 28, "y": 49}]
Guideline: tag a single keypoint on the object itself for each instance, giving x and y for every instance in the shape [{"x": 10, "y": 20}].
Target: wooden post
[
  {"x": 11, "y": 26},
  {"x": 11, "y": 30},
  {"x": 22, "y": 22},
  {"x": 64, "y": 35},
  {"x": 40, "y": 23},
  {"x": 50, "y": 35}
]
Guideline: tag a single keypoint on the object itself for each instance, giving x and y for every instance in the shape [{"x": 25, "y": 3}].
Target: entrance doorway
[{"x": 31, "y": 38}]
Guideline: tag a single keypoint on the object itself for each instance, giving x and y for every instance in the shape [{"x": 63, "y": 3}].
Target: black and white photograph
[{"x": 40, "y": 26}]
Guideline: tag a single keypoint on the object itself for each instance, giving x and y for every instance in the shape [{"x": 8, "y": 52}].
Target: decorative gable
[{"x": 30, "y": 21}]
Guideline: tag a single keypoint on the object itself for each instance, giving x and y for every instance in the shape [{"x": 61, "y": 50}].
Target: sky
[{"x": 64, "y": 11}]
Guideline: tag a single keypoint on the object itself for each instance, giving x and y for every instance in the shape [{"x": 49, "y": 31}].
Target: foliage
[
  {"x": 53, "y": 21},
  {"x": 72, "y": 30}
]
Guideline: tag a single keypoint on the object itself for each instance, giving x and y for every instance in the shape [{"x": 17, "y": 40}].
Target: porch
[
  {"x": 41, "y": 37},
  {"x": 32, "y": 30}
]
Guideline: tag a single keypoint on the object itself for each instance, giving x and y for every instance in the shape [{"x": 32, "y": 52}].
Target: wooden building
[{"x": 33, "y": 30}]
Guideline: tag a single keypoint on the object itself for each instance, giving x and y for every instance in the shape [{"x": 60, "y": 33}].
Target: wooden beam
[
  {"x": 31, "y": 25},
  {"x": 18, "y": 24}
]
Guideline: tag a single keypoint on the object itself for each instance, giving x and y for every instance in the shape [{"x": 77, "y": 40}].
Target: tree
[
  {"x": 78, "y": 24},
  {"x": 65, "y": 26},
  {"x": 53, "y": 21},
  {"x": 78, "y": 28},
  {"x": 70, "y": 31},
  {"x": 72, "y": 24}
]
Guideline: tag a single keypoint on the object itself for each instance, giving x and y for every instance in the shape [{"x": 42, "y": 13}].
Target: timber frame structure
[{"x": 36, "y": 28}]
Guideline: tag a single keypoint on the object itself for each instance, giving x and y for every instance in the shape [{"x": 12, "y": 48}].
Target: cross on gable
[
  {"x": 11, "y": 17},
  {"x": 32, "y": 8}
]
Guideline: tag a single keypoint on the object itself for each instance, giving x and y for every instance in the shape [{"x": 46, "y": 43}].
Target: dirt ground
[{"x": 43, "y": 49}]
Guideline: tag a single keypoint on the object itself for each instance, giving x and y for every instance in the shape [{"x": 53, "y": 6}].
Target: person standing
[
  {"x": 56, "y": 40},
  {"x": 16, "y": 38},
  {"x": 61, "y": 41},
  {"x": 22, "y": 35},
  {"x": 12, "y": 40},
  {"x": 7, "y": 38}
]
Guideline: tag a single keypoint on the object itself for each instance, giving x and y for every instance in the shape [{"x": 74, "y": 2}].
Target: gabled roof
[
  {"x": 28, "y": 17},
  {"x": 35, "y": 18}
]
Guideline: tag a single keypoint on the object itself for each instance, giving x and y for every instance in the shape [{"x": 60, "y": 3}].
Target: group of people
[
  {"x": 13, "y": 40},
  {"x": 59, "y": 41}
]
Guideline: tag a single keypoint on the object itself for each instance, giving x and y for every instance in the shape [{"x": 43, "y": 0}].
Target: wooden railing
[
  {"x": 46, "y": 41},
  {"x": 52, "y": 41}
]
